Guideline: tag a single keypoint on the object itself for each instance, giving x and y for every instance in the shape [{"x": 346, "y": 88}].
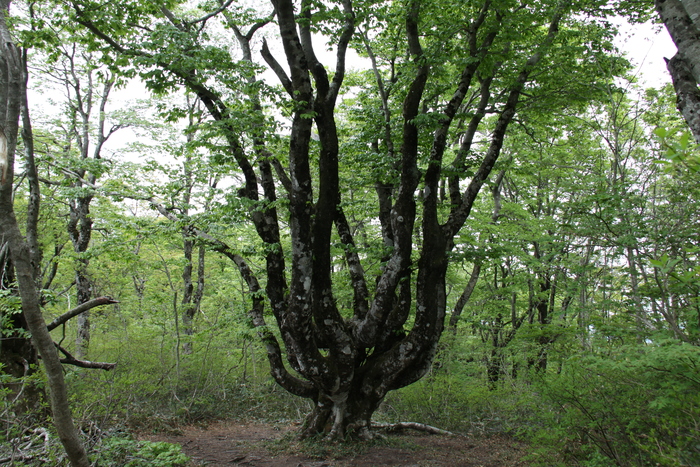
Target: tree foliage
[
  {"x": 485, "y": 160},
  {"x": 440, "y": 68}
]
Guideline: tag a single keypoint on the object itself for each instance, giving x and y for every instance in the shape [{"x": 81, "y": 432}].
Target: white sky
[{"x": 647, "y": 45}]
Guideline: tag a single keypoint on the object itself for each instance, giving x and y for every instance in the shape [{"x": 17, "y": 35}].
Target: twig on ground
[
  {"x": 390, "y": 427},
  {"x": 20, "y": 453},
  {"x": 6, "y": 460}
]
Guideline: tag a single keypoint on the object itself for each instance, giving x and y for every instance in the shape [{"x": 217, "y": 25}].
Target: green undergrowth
[
  {"x": 630, "y": 407},
  {"x": 633, "y": 407},
  {"x": 39, "y": 446},
  {"x": 125, "y": 451},
  {"x": 627, "y": 407},
  {"x": 156, "y": 393},
  {"x": 457, "y": 397}
]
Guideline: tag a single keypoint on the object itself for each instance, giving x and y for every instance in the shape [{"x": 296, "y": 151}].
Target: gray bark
[
  {"x": 693, "y": 9},
  {"x": 683, "y": 32},
  {"x": 684, "y": 67},
  {"x": 687, "y": 92}
]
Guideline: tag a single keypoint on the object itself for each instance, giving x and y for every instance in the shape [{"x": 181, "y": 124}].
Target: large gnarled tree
[{"x": 458, "y": 74}]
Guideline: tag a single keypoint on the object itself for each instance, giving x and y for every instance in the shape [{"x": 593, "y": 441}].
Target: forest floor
[{"x": 230, "y": 443}]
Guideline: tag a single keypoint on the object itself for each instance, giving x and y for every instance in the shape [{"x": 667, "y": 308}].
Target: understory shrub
[
  {"x": 457, "y": 397},
  {"x": 121, "y": 450},
  {"x": 632, "y": 407},
  {"x": 153, "y": 391}
]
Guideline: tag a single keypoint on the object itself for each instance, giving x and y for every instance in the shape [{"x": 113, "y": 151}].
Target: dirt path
[{"x": 230, "y": 443}]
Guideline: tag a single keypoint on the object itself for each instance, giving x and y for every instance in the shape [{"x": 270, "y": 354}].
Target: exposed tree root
[{"x": 393, "y": 427}]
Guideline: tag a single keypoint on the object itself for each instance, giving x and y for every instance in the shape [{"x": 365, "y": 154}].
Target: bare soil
[{"x": 231, "y": 443}]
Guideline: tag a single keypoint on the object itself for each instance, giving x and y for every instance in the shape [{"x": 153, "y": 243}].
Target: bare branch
[
  {"x": 392, "y": 427},
  {"x": 95, "y": 302},
  {"x": 71, "y": 360},
  {"x": 277, "y": 68},
  {"x": 281, "y": 174},
  {"x": 212, "y": 14}
]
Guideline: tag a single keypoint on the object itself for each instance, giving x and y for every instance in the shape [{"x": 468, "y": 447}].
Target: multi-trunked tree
[{"x": 448, "y": 78}]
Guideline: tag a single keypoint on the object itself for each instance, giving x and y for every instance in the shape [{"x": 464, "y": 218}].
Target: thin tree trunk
[
  {"x": 17, "y": 354},
  {"x": 41, "y": 338},
  {"x": 80, "y": 222},
  {"x": 82, "y": 340},
  {"x": 473, "y": 279},
  {"x": 634, "y": 282},
  {"x": 188, "y": 310},
  {"x": 464, "y": 298}
]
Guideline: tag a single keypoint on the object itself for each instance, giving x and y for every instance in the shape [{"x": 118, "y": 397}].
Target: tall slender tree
[{"x": 23, "y": 251}]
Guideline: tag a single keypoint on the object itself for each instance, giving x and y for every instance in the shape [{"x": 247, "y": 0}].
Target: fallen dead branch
[
  {"x": 400, "y": 426},
  {"x": 18, "y": 458},
  {"x": 28, "y": 448}
]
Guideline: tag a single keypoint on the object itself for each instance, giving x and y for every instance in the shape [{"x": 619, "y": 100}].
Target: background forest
[{"x": 571, "y": 302}]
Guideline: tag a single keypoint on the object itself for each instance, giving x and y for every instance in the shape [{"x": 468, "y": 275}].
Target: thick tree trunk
[
  {"x": 684, "y": 67},
  {"x": 341, "y": 415},
  {"x": 692, "y": 7},
  {"x": 687, "y": 91},
  {"x": 683, "y": 31},
  {"x": 352, "y": 365}
]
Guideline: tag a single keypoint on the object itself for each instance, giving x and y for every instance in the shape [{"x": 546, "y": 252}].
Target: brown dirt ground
[{"x": 231, "y": 443}]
